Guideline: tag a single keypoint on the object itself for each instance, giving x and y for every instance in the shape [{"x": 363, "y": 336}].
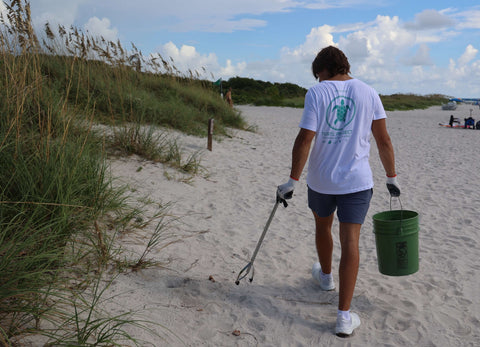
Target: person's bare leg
[
  {"x": 349, "y": 262},
  {"x": 324, "y": 241}
]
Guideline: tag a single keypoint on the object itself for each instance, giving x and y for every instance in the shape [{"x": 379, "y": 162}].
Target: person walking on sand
[
  {"x": 339, "y": 116},
  {"x": 228, "y": 97}
]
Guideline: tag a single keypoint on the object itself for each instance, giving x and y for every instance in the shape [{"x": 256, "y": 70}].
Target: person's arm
[
  {"x": 300, "y": 152},
  {"x": 384, "y": 145},
  {"x": 386, "y": 153}
]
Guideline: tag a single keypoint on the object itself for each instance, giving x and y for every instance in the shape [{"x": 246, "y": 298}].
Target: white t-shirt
[{"x": 341, "y": 113}]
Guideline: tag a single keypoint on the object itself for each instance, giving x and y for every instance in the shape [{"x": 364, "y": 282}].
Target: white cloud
[
  {"x": 357, "y": 46},
  {"x": 380, "y": 54},
  {"x": 187, "y": 59},
  {"x": 184, "y": 15},
  {"x": 101, "y": 28},
  {"x": 462, "y": 71},
  {"x": 231, "y": 70},
  {"x": 373, "y": 52},
  {"x": 219, "y": 25},
  {"x": 468, "y": 19},
  {"x": 56, "y": 11},
  {"x": 421, "y": 57},
  {"x": 205, "y": 15},
  {"x": 379, "y": 44},
  {"x": 317, "y": 39},
  {"x": 326, "y": 4},
  {"x": 430, "y": 19},
  {"x": 467, "y": 56},
  {"x": 219, "y": 8},
  {"x": 179, "y": 15}
]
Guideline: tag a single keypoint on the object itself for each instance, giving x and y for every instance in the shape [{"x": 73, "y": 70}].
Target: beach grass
[{"x": 60, "y": 210}]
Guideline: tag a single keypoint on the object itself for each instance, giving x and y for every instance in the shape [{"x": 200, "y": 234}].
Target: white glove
[
  {"x": 285, "y": 191},
  {"x": 393, "y": 186}
]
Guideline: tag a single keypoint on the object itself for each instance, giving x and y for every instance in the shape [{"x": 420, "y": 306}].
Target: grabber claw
[
  {"x": 249, "y": 266},
  {"x": 242, "y": 275}
]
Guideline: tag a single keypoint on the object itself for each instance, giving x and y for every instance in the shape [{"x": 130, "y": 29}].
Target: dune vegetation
[
  {"x": 260, "y": 93},
  {"x": 404, "y": 102},
  {"x": 60, "y": 210}
]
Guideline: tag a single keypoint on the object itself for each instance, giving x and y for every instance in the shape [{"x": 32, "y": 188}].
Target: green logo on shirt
[{"x": 340, "y": 112}]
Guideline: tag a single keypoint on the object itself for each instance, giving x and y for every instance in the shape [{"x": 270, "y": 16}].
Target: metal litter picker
[{"x": 246, "y": 270}]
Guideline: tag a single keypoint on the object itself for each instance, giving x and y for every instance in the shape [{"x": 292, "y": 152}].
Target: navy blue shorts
[{"x": 352, "y": 208}]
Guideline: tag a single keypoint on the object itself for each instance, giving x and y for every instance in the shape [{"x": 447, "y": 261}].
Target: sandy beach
[{"x": 194, "y": 301}]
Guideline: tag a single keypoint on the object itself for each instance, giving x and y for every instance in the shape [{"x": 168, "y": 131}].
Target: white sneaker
[
  {"x": 325, "y": 284},
  {"x": 345, "y": 327}
]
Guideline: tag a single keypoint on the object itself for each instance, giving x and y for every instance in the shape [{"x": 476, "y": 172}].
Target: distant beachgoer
[
  {"x": 339, "y": 115},
  {"x": 228, "y": 97},
  {"x": 469, "y": 123},
  {"x": 451, "y": 121}
]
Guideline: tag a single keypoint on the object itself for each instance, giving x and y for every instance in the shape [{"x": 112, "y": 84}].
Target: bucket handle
[
  {"x": 400, "y": 201},
  {"x": 401, "y": 212}
]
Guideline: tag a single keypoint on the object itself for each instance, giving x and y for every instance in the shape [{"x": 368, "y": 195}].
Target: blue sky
[{"x": 420, "y": 47}]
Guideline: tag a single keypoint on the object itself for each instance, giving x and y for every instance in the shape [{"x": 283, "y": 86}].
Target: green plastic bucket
[{"x": 396, "y": 239}]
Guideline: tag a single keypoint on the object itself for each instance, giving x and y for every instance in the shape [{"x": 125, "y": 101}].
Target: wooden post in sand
[{"x": 210, "y": 134}]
